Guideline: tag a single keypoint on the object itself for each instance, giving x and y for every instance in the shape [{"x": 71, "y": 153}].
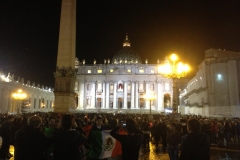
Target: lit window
[
  {"x": 129, "y": 70},
  {"x": 111, "y": 87},
  {"x": 111, "y": 70},
  {"x": 152, "y": 70},
  {"x": 89, "y": 71},
  {"x": 167, "y": 86},
  {"x": 99, "y": 71},
  {"x": 141, "y": 71}
]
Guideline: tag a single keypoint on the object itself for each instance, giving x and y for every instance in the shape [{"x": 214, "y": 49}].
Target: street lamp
[
  {"x": 19, "y": 96},
  {"x": 151, "y": 97},
  {"x": 170, "y": 68}
]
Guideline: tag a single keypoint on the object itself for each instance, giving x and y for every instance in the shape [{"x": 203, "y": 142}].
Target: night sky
[{"x": 156, "y": 28}]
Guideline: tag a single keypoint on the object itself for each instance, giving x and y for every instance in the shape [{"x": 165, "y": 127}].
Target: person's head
[
  {"x": 35, "y": 121},
  {"x": 173, "y": 127},
  {"x": 193, "y": 125},
  {"x": 67, "y": 121},
  {"x": 99, "y": 121},
  {"x": 51, "y": 122},
  {"x": 11, "y": 118},
  {"x": 130, "y": 125}
]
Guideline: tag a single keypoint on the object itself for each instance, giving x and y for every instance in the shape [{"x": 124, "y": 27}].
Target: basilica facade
[{"x": 123, "y": 83}]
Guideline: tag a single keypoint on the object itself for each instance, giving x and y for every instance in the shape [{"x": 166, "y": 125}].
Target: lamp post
[
  {"x": 19, "y": 96},
  {"x": 171, "y": 68},
  {"x": 150, "y": 96}
]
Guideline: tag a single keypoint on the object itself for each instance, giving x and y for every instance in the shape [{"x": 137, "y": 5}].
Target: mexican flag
[{"x": 104, "y": 145}]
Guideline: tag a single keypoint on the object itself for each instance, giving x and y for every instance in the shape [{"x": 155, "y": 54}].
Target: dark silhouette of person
[
  {"x": 30, "y": 142},
  {"x": 67, "y": 141},
  {"x": 196, "y": 144},
  {"x": 5, "y": 133},
  {"x": 131, "y": 142}
]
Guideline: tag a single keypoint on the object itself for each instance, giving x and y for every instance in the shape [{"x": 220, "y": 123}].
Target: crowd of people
[{"x": 48, "y": 136}]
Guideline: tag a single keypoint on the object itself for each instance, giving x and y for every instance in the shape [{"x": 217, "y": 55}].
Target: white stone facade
[
  {"x": 214, "y": 91},
  {"x": 121, "y": 86},
  {"x": 39, "y": 98}
]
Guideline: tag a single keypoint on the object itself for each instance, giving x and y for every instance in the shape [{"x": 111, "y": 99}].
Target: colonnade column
[
  {"x": 136, "y": 96},
  {"x": 107, "y": 94},
  {"x": 160, "y": 97},
  {"x": 103, "y": 95},
  {"x": 132, "y": 95},
  {"x": 115, "y": 95},
  {"x": 81, "y": 95},
  {"x": 93, "y": 96},
  {"x": 147, "y": 101},
  {"x": 125, "y": 95}
]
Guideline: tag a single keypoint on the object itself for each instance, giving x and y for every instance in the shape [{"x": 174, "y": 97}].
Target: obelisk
[{"x": 65, "y": 70}]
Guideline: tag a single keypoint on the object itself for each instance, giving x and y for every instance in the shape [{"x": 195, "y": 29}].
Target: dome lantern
[{"x": 126, "y": 55}]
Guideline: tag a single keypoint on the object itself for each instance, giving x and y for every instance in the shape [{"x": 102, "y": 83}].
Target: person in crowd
[
  {"x": 173, "y": 142},
  {"x": 49, "y": 131},
  {"x": 113, "y": 123},
  {"x": 195, "y": 145},
  {"x": 30, "y": 142},
  {"x": 183, "y": 127},
  {"x": 67, "y": 141},
  {"x": 5, "y": 133},
  {"x": 131, "y": 142},
  {"x": 220, "y": 132},
  {"x": 238, "y": 131},
  {"x": 214, "y": 132},
  {"x": 163, "y": 134},
  {"x": 145, "y": 127},
  {"x": 87, "y": 128},
  {"x": 227, "y": 132},
  {"x": 233, "y": 131},
  {"x": 156, "y": 133},
  {"x": 15, "y": 126},
  {"x": 205, "y": 127},
  {"x": 94, "y": 142}
]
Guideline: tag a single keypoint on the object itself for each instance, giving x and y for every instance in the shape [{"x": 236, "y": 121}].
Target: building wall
[
  {"x": 38, "y": 98},
  {"x": 214, "y": 91},
  {"x": 121, "y": 86}
]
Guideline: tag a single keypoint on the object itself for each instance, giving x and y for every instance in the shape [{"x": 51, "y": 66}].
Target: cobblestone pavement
[{"x": 217, "y": 153}]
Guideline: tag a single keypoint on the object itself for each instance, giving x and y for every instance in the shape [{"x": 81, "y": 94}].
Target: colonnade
[{"x": 110, "y": 97}]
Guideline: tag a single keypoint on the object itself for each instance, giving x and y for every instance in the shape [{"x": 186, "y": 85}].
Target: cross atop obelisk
[{"x": 65, "y": 72}]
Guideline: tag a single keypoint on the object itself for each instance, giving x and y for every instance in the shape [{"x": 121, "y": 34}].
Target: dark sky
[{"x": 156, "y": 28}]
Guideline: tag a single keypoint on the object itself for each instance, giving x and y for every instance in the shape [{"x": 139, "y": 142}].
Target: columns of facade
[
  {"x": 136, "y": 96},
  {"x": 115, "y": 95},
  {"x": 160, "y": 105},
  {"x": 107, "y": 94},
  {"x": 93, "y": 96},
  {"x": 147, "y": 101},
  {"x": 132, "y": 95},
  {"x": 81, "y": 95},
  {"x": 125, "y": 95},
  {"x": 103, "y": 95}
]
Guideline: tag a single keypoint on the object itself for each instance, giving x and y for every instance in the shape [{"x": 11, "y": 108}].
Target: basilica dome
[{"x": 126, "y": 55}]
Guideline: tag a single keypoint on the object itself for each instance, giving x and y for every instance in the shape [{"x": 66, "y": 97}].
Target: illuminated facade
[
  {"x": 122, "y": 84},
  {"x": 39, "y": 98},
  {"x": 214, "y": 91}
]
